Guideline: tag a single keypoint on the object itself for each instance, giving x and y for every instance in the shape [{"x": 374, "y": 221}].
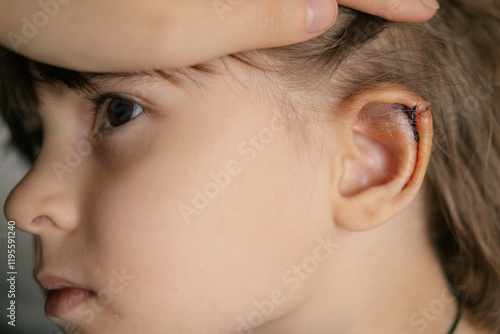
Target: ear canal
[{"x": 386, "y": 141}]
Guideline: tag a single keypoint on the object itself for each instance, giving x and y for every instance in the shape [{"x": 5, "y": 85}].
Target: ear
[{"x": 382, "y": 156}]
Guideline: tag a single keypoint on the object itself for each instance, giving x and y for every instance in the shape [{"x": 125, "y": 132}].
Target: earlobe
[{"x": 383, "y": 156}]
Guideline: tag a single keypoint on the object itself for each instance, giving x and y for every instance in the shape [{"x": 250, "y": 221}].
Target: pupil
[{"x": 119, "y": 111}]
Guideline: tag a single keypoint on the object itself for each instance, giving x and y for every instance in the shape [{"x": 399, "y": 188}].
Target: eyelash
[{"x": 101, "y": 101}]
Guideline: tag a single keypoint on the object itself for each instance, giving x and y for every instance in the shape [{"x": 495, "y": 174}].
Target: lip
[
  {"x": 64, "y": 300},
  {"x": 63, "y": 295}
]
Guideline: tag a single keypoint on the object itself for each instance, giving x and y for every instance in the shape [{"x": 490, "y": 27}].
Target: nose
[{"x": 41, "y": 202}]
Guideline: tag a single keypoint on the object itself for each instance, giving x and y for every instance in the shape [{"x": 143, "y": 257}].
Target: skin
[
  {"x": 82, "y": 35},
  {"x": 119, "y": 210}
]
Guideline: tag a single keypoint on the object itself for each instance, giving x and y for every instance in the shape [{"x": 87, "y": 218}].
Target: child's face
[{"x": 186, "y": 218}]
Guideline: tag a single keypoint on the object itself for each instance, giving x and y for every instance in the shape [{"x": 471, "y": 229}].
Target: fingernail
[
  {"x": 431, "y": 4},
  {"x": 321, "y": 15}
]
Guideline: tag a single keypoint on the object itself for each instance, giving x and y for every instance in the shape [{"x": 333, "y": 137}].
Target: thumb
[
  {"x": 270, "y": 23},
  {"x": 396, "y": 10},
  {"x": 224, "y": 27}
]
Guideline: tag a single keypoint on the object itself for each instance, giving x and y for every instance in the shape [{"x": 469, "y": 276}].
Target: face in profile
[{"x": 179, "y": 209}]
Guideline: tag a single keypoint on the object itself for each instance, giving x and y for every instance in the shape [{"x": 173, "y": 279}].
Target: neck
[{"x": 387, "y": 280}]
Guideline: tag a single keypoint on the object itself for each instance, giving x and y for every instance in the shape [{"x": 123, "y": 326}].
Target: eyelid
[
  {"x": 99, "y": 101},
  {"x": 101, "y": 96}
]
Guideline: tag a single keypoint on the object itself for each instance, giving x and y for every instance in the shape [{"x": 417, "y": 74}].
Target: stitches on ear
[{"x": 412, "y": 116}]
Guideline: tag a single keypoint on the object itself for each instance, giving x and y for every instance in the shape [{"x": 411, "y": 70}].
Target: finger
[
  {"x": 396, "y": 10},
  {"x": 229, "y": 26},
  {"x": 114, "y": 36}
]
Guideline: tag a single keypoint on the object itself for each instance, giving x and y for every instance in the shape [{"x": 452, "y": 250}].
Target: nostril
[
  {"x": 40, "y": 222},
  {"x": 36, "y": 225}
]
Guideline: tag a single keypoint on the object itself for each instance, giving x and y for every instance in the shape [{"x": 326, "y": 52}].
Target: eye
[{"x": 114, "y": 111}]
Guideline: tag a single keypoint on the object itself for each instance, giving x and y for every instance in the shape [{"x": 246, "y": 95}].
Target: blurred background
[{"x": 30, "y": 315}]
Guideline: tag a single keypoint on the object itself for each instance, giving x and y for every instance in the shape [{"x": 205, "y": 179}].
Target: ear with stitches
[{"x": 382, "y": 157}]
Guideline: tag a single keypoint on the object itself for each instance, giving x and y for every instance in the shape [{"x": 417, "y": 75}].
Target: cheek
[{"x": 232, "y": 252}]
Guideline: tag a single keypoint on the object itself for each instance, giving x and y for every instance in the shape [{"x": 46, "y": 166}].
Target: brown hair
[{"x": 452, "y": 61}]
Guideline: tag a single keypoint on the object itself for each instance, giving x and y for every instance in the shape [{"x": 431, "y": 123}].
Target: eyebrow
[
  {"x": 171, "y": 76},
  {"x": 91, "y": 83},
  {"x": 175, "y": 77}
]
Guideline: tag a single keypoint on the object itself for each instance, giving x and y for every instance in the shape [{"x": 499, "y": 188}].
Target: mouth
[{"x": 63, "y": 295}]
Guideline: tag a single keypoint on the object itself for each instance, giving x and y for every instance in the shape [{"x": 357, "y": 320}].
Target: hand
[{"x": 128, "y": 35}]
